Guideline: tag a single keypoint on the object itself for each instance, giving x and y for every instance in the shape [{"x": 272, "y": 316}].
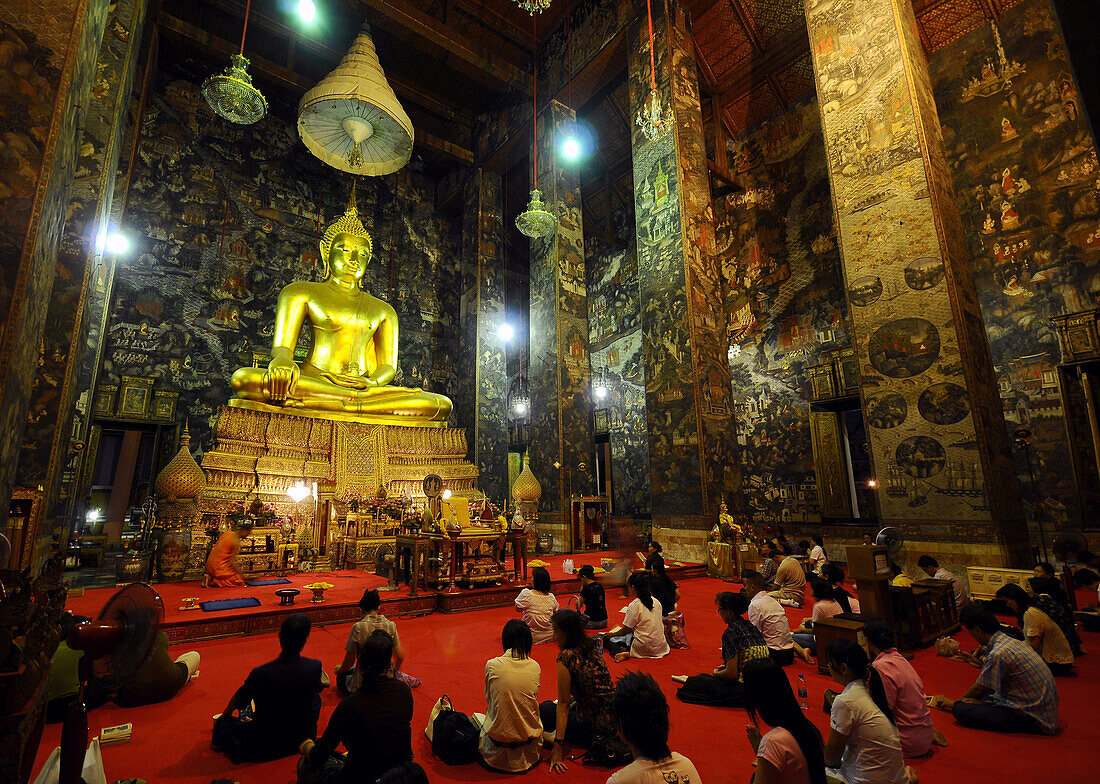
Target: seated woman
[
  {"x": 582, "y": 711},
  {"x": 160, "y": 678},
  {"x": 537, "y": 605},
  {"x": 374, "y": 724},
  {"x": 1042, "y": 633},
  {"x": 1045, "y": 581},
  {"x": 818, "y": 556},
  {"x": 642, "y": 632},
  {"x": 825, "y": 606},
  {"x": 641, "y": 713},
  {"x": 663, "y": 588},
  {"x": 834, "y": 575},
  {"x": 591, "y": 601},
  {"x": 741, "y": 643},
  {"x": 220, "y": 570},
  {"x": 511, "y": 727},
  {"x": 791, "y": 752},
  {"x": 347, "y": 677},
  {"x": 863, "y": 742}
]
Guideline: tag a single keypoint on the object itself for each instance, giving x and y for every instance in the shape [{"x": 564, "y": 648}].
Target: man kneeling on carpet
[
  {"x": 221, "y": 572},
  {"x": 286, "y": 697},
  {"x": 1015, "y": 691},
  {"x": 374, "y": 724}
]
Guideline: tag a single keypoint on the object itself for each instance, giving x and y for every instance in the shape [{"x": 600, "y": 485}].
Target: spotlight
[
  {"x": 872, "y": 483},
  {"x": 117, "y": 243},
  {"x": 601, "y": 392},
  {"x": 307, "y": 10},
  {"x": 506, "y": 332},
  {"x": 571, "y": 148},
  {"x": 447, "y": 493}
]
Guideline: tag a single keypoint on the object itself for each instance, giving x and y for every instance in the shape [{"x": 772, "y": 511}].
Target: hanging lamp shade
[
  {"x": 536, "y": 220},
  {"x": 351, "y": 119},
  {"x": 232, "y": 95}
]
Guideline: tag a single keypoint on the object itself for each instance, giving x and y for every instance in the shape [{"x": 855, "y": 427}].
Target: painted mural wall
[
  {"x": 785, "y": 303},
  {"x": 196, "y": 298},
  {"x": 1026, "y": 174},
  {"x": 615, "y": 337}
]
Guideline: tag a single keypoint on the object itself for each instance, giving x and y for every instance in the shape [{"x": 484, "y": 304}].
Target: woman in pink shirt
[
  {"x": 904, "y": 691},
  {"x": 791, "y": 752}
]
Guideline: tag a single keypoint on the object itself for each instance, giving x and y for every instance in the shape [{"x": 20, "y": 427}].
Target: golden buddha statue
[{"x": 353, "y": 356}]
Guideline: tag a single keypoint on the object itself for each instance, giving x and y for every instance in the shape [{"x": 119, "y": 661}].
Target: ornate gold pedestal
[{"x": 265, "y": 452}]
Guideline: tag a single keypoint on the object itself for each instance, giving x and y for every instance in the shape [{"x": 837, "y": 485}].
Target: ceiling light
[
  {"x": 571, "y": 148},
  {"x": 299, "y": 491},
  {"x": 447, "y": 493},
  {"x": 506, "y": 332},
  {"x": 601, "y": 392},
  {"x": 117, "y": 243},
  {"x": 520, "y": 408},
  {"x": 307, "y": 10}
]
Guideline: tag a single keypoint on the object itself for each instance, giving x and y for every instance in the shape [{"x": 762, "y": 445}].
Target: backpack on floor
[
  {"x": 610, "y": 752},
  {"x": 454, "y": 736}
]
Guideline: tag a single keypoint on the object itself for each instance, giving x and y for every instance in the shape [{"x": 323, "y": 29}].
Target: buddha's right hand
[{"x": 281, "y": 379}]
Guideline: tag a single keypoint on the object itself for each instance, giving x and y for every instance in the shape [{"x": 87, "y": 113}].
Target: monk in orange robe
[{"x": 220, "y": 571}]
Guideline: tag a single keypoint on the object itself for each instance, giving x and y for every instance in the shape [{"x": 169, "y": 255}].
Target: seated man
[
  {"x": 159, "y": 678},
  {"x": 904, "y": 691},
  {"x": 932, "y": 568},
  {"x": 766, "y": 614},
  {"x": 1015, "y": 691},
  {"x": 790, "y": 580},
  {"x": 768, "y": 566},
  {"x": 286, "y": 695},
  {"x": 374, "y": 723}
]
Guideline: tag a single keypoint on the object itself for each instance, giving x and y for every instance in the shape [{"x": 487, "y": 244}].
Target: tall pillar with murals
[
  {"x": 480, "y": 399},
  {"x": 561, "y": 402},
  {"x": 690, "y": 418},
  {"x": 941, "y": 460},
  {"x": 53, "y": 47}
]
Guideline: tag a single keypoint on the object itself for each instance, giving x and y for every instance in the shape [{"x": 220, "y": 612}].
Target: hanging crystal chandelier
[
  {"x": 533, "y": 6},
  {"x": 536, "y": 220},
  {"x": 653, "y": 118},
  {"x": 231, "y": 94}
]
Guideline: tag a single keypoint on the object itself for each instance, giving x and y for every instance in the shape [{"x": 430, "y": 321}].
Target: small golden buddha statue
[{"x": 353, "y": 356}]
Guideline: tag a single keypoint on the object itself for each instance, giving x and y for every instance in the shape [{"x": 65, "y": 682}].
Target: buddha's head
[{"x": 346, "y": 246}]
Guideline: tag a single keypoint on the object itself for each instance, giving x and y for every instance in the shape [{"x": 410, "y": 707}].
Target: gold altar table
[{"x": 476, "y": 556}]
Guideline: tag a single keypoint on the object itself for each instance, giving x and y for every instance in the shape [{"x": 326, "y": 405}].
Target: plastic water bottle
[
  {"x": 599, "y": 645},
  {"x": 803, "y": 695}
]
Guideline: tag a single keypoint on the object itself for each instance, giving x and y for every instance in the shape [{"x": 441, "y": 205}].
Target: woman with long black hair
[
  {"x": 863, "y": 741},
  {"x": 791, "y": 751},
  {"x": 642, "y": 632},
  {"x": 1042, "y": 632}
]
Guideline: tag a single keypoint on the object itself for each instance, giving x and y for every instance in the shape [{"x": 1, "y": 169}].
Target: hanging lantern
[
  {"x": 653, "y": 118},
  {"x": 231, "y": 94},
  {"x": 536, "y": 221},
  {"x": 533, "y": 6},
  {"x": 352, "y": 120},
  {"x": 519, "y": 401}
]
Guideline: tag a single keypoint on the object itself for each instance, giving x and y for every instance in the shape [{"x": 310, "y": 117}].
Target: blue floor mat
[
  {"x": 229, "y": 604},
  {"x": 272, "y": 581}
]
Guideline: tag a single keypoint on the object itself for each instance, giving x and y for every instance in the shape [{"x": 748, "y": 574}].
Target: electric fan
[
  {"x": 1068, "y": 545},
  {"x": 383, "y": 560},
  {"x": 894, "y": 542},
  {"x": 116, "y": 645}
]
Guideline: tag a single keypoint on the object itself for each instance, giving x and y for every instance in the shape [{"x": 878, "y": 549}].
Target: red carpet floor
[{"x": 171, "y": 741}]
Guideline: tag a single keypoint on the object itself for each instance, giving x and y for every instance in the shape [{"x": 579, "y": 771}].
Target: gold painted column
[
  {"x": 559, "y": 375},
  {"x": 944, "y": 470},
  {"x": 689, "y": 411},
  {"x": 53, "y": 45},
  {"x": 480, "y": 404}
]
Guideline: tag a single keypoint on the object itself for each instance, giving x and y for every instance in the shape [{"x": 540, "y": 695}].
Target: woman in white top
[
  {"x": 511, "y": 729},
  {"x": 642, "y": 632},
  {"x": 790, "y": 752},
  {"x": 863, "y": 743},
  {"x": 642, "y": 715},
  {"x": 538, "y": 605},
  {"x": 818, "y": 556}
]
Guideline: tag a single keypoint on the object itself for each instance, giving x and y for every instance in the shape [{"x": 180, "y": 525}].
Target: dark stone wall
[
  {"x": 784, "y": 295},
  {"x": 1024, "y": 163},
  {"x": 193, "y": 301}
]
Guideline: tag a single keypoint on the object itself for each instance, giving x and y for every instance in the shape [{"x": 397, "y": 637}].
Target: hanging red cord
[
  {"x": 652, "y": 60},
  {"x": 247, "y": 8},
  {"x": 535, "y": 95}
]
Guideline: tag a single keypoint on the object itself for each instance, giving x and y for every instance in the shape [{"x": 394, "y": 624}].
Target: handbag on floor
[
  {"x": 610, "y": 752},
  {"x": 674, "y": 630},
  {"x": 454, "y": 737}
]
